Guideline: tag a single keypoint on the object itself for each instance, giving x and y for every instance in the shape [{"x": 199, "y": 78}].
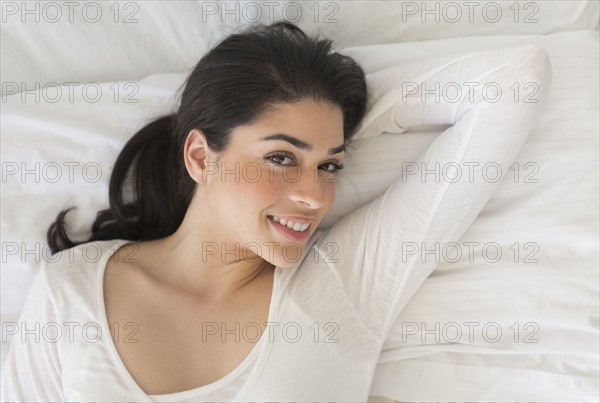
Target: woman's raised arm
[{"x": 381, "y": 246}]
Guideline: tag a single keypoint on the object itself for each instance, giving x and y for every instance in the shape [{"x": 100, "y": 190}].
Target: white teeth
[{"x": 292, "y": 225}]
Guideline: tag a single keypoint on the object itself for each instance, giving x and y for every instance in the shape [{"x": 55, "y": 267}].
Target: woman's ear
[{"x": 196, "y": 155}]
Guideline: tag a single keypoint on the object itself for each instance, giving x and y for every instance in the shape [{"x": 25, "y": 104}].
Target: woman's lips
[{"x": 290, "y": 233}]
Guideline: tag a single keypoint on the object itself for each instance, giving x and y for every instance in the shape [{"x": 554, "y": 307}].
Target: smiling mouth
[
  {"x": 289, "y": 232},
  {"x": 297, "y": 226}
]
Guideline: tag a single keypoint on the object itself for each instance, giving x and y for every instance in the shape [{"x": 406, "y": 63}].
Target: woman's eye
[
  {"x": 279, "y": 158},
  {"x": 332, "y": 167},
  {"x": 329, "y": 167}
]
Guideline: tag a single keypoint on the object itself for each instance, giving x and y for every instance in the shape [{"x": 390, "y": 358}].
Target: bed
[{"x": 514, "y": 318}]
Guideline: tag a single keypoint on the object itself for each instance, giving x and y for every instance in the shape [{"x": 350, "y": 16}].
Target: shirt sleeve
[
  {"x": 32, "y": 370},
  {"x": 381, "y": 247}
]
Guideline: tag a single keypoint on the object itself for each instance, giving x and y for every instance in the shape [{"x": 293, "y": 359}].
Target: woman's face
[{"x": 258, "y": 178}]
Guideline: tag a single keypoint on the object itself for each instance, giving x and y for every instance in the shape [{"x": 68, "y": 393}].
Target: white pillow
[{"x": 45, "y": 41}]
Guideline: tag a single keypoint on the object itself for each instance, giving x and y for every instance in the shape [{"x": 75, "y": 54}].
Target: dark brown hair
[{"x": 233, "y": 84}]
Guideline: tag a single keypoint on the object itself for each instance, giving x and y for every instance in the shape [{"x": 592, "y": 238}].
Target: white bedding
[
  {"x": 554, "y": 301},
  {"x": 558, "y": 214},
  {"x": 130, "y": 40}
]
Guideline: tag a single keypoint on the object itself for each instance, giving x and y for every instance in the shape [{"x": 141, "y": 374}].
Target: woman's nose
[{"x": 308, "y": 187}]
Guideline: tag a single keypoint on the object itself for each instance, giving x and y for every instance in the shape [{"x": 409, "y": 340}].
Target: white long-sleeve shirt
[{"x": 331, "y": 312}]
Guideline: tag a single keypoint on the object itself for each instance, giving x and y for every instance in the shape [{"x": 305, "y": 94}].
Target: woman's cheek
[
  {"x": 328, "y": 181},
  {"x": 258, "y": 184},
  {"x": 272, "y": 176}
]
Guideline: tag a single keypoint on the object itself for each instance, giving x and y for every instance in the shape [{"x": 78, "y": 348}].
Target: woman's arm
[
  {"x": 32, "y": 370},
  {"x": 380, "y": 245}
]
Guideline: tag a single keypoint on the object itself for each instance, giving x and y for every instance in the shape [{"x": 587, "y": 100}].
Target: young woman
[{"x": 213, "y": 282}]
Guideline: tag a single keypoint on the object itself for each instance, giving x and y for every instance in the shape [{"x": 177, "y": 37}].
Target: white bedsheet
[
  {"x": 62, "y": 41},
  {"x": 547, "y": 302}
]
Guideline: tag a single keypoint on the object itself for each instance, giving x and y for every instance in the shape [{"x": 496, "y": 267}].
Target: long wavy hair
[{"x": 232, "y": 85}]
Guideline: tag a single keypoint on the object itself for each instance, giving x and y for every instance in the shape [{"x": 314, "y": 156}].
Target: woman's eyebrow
[{"x": 301, "y": 144}]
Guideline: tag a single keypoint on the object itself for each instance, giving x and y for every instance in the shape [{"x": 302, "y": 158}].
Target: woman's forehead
[{"x": 304, "y": 120}]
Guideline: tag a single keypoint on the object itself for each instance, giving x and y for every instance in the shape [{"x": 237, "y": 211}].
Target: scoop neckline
[{"x": 257, "y": 352}]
